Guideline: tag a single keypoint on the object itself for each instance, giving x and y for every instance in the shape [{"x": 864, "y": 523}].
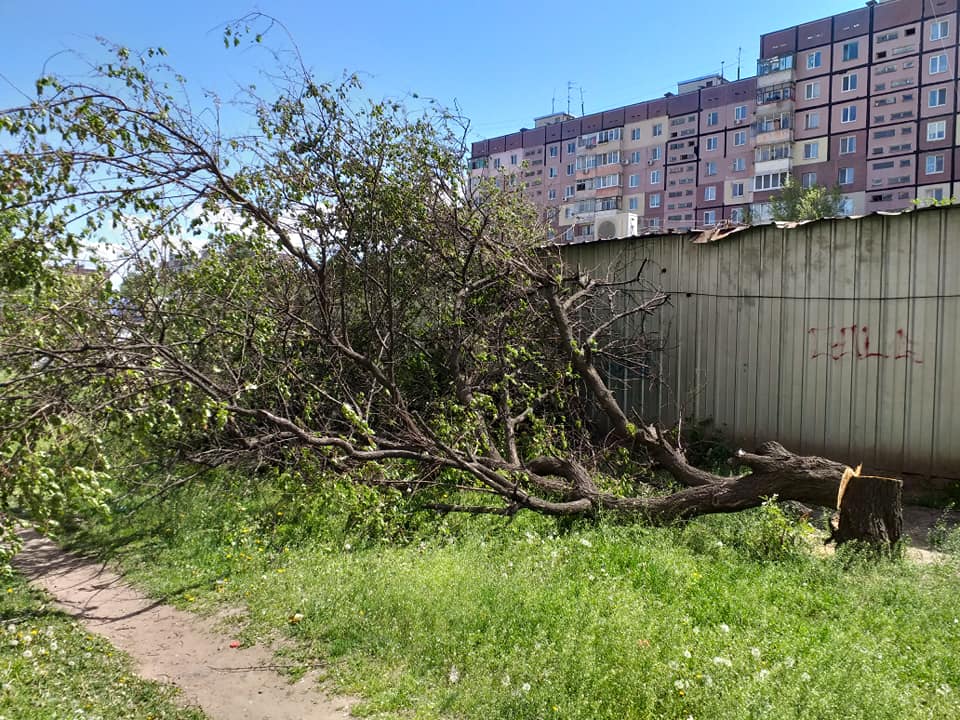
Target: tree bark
[{"x": 871, "y": 511}]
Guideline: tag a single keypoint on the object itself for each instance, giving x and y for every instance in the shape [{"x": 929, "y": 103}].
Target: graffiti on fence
[{"x": 838, "y": 342}]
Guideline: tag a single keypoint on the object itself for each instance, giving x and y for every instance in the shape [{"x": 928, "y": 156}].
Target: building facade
[{"x": 866, "y": 100}]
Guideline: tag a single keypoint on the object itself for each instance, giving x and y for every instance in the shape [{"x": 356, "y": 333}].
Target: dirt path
[{"x": 173, "y": 646}]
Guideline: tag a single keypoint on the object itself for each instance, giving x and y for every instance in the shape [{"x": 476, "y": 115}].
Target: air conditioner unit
[{"x": 623, "y": 224}]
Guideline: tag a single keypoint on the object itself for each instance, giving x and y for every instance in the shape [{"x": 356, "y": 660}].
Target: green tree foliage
[
  {"x": 327, "y": 284},
  {"x": 797, "y": 203}
]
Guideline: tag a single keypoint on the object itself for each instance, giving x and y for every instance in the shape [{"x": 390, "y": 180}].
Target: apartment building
[{"x": 866, "y": 99}]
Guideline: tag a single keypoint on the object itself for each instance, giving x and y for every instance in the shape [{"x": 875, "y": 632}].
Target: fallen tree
[{"x": 355, "y": 296}]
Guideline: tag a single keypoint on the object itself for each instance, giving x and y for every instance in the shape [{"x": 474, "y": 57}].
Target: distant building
[{"x": 866, "y": 100}]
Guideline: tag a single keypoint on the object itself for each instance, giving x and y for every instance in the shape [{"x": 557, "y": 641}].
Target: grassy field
[
  {"x": 50, "y": 668},
  {"x": 724, "y": 617}
]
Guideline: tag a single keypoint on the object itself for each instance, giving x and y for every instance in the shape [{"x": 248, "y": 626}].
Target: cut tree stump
[{"x": 871, "y": 510}]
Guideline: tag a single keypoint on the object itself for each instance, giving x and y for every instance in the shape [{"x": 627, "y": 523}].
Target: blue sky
[{"x": 502, "y": 63}]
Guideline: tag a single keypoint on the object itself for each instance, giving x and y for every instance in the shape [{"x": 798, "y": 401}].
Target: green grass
[
  {"x": 51, "y": 668},
  {"x": 480, "y": 618}
]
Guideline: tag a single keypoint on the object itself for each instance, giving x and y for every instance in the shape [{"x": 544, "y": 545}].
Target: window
[
  {"x": 937, "y": 130},
  {"x": 551, "y": 194},
  {"x": 849, "y": 82},
  {"x": 851, "y": 50},
  {"x": 772, "y": 181},
  {"x": 605, "y": 181},
  {"x": 635, "y": 134},
  {"x": 811, "y": 90},
  {"x": 571, "y": 148},
  {"x": 633, "y": 203},
  {"x": 710, "y": 217},
  {"x": 808, "y": 180},
  {"x": 814, "y": 60},
  {"x": 736, "y": 215},
  {"x": 848, "y": 145},
  {"x": 655, "y": 177},
  {"x": 635, "y": 156},
  {"x": 710, "y": 193},
  {"x": 740, "y": 112},
  {"x": 934, "y": 164},
  {"x": 568, "y": 192},
  {"x": 736, "y": 189},
  {"x": 655, "y": 153},
  {"x": 811, "y": 151},
  {"x": 658, "y": 129},
  {"x": 740, "y": 138},
  {"x": 655, "y": 200},
  {"x": 812, "y": 121},
  {"x": 571, "y": 169},
  {"x": 634, "y": 181},
  {"x": 513, "y": 159},
  {"x": 711, "y": 168},
  {"x": 713, "y": 117},
  {"x": 848, "y": 114},
  {"x": 712, "y": 143},
  {"x": 846, "y": 176},
  {"x": 496, "y": 163},
  {"x": 939, "y": 30},
  {"x": 739, "y": 165},
  {"x": 937, "y": 98},
  {"x": 938, "y": 64},
  {"x": 554, "y": 151},
  {"x": 934, "y": 193},
  {"x": 608, "y": 135}
]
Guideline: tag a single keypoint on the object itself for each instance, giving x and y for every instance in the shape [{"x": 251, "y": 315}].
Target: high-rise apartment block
[{"x": 866, "y": 100}]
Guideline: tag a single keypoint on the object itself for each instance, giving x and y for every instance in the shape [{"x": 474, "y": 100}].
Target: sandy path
[{"x": 173, "y": 646}]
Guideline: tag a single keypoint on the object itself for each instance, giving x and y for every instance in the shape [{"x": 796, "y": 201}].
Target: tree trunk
[
  {"x": 870, "y": 507},
  {"x": 870, "y": 511}
]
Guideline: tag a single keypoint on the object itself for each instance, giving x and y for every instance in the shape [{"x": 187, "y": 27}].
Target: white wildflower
[
  {"x": 755, "y": 652},
  {"x": 28, "y": 654},
  {"x": 805, "y": 677},
  {"x": 707, "y": 680},
  {"x": 11, "y": 628},
  {"x": 506, "y": 681},
  {"x": 679, "y": 684},
  {"x": 762, "y": 675},
  {"x": 454, "y": 675},
  {"x": 585, "y": 542},
  {"x": 724, "y": 627},
  {"x": 944, "y": 689},
  {"x": 525, "y": 687},
  {"x": 687, "y": 654},
  {"x": 789, "y": 662},
  {"x": 347, "y": 546},
  {"x": 725, "y": 662}
]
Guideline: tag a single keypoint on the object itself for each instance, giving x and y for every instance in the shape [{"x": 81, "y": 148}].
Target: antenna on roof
[
  {"x": 569, "y": 88},
  {"x": 722, "y": 63},
  {"x": 739, "y": 50},
  {"x": 581, "y": 103}
]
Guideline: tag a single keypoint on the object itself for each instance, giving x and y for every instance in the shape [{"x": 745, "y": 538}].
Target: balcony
[
  {"x": 772, "y": 129},
  {"x": 774, "y": 71},
  {"x": 782, "y": 92}
]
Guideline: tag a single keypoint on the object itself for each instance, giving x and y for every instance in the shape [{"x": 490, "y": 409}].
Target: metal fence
[{"x": 839, "y": 337}]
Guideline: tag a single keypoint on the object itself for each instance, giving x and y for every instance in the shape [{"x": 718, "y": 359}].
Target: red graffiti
[{"x": 837, "y": 343}]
